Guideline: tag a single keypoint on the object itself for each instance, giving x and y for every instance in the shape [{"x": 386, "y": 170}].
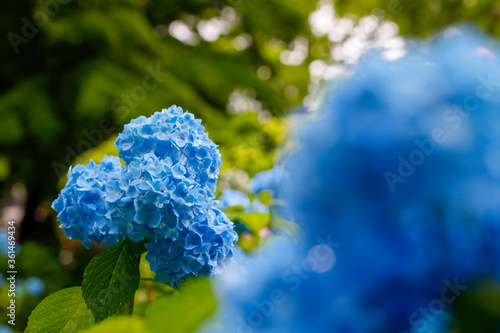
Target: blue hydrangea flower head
[
  {"x": 176, "y": 136},
  {"x": 81, "y": 204},
  {"x": 164, "y": 194}
]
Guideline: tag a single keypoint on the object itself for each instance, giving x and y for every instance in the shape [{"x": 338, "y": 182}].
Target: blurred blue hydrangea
[
  {"x": 268, "y": 180},
  {"x": 164, "y": 193},
  {"x": 34, "y": 286},
  {"x": 6, "y": 329},
  {"x": 396, "y": 184},
  {"x": 4, "y": 243},
  {"x": 245, "y": 290},
  {"x": 283, "y": 288},
  {"x": 231, "y": 198},
  {"x": 409, "y": 150},
  {"x": 81, "y": 206}
]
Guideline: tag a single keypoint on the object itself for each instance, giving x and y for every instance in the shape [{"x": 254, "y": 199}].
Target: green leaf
[
  {"x": 63, "y": 311},
  {"x": 184, "y": 311},
  {"x": 254, "y": 221},
  {"x": 476, "y": 308},
  {"x": 233, "y": 212},
  {"x": 111, "y": 279},
  {"x": 120, "y": 324},
  {"x": 265, "y": 197}
]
